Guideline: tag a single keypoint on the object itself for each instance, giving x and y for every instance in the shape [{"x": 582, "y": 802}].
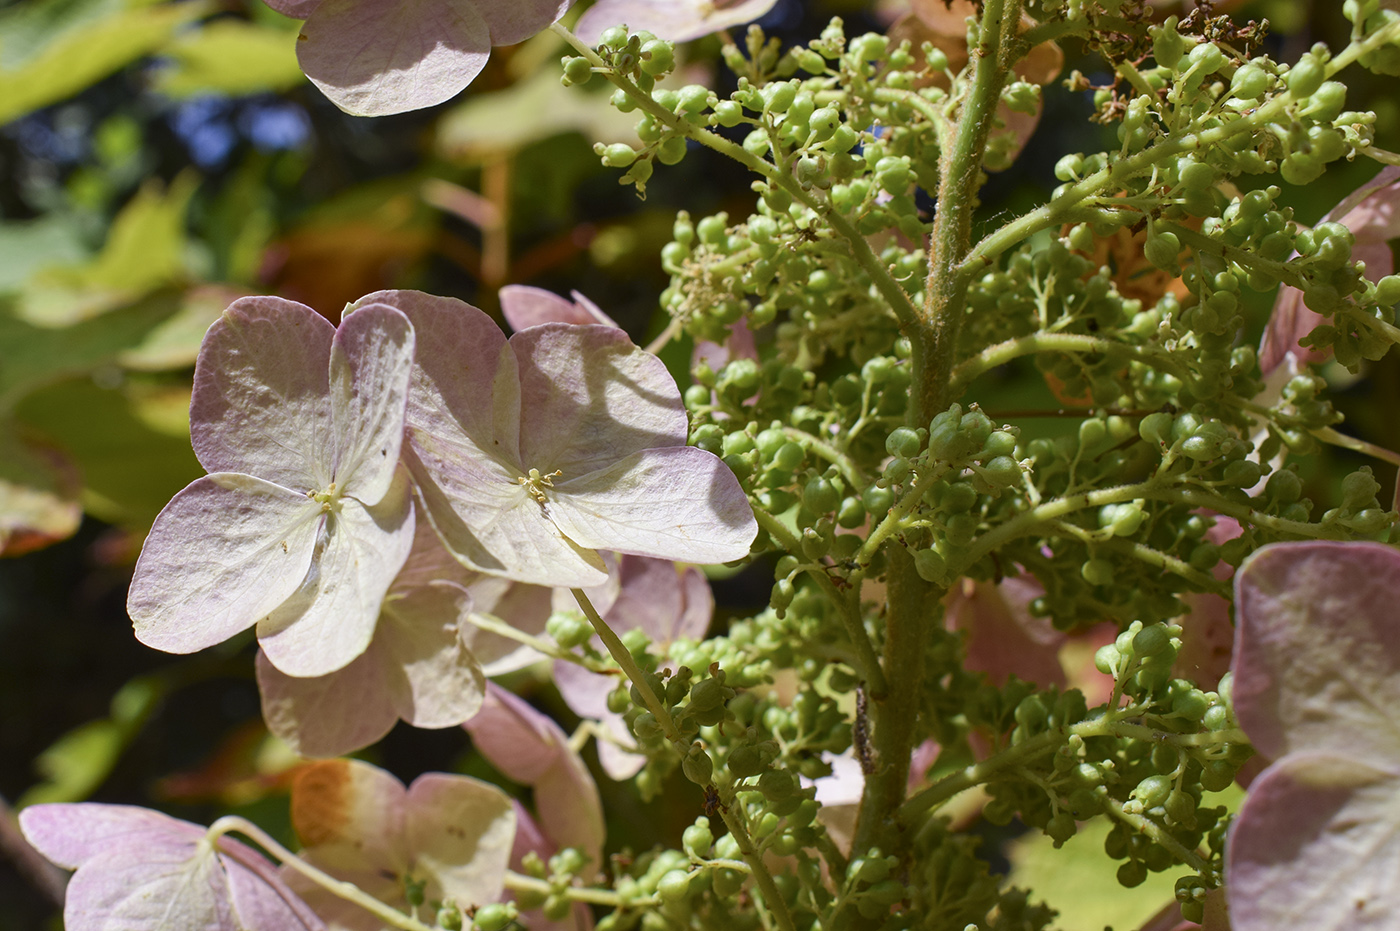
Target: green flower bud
[
  {"x": 658, "y": 57},
  {"x": 903, "y": 442},
  {"x": 568, "y": 630},
  {"x": 614, "y": 37},
  {"x": 1097, "y": 571},
  {"x": 1305, "y": 77},
  {"x": 697, "y": 838},
  {"x": 1162, "y": 249},
  {"x": 576, "y": 70},
  {"x": 930, "y": 565}
]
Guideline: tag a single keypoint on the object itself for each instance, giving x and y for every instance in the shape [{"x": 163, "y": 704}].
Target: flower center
[
  {"x": 329, "y": 499},
  {"x": 535, "y": 483}
]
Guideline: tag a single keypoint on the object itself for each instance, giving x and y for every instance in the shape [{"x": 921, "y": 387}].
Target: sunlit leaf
[
  {"x": 51, "y": 49},
  {"x": 231, "y": 56}
]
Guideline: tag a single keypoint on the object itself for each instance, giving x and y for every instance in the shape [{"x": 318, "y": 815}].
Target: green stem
[
  {"x": 619, "y": 652},
  {"x": 759, "y": 870},
  {"x": 347, "y": 891},
  {"x": 519, "y": 882},
  {"x": 945, "y": 291},
  {"x": 1158, "y": 834},
  {"x": 492, "y": 624},
  {"x": 1007, "y": 350}
]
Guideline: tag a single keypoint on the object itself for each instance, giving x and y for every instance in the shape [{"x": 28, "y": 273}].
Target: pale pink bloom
[
  {"x": 1370, "y": 213},
  {"x": 529, "y": 748},
  {"x": 669, "y": 603},
  {"x": 306, "y": 516},
  {"x": 676, "y": 20},
  {"x": 140, "y": 870},
  {"x": 375, "y": 57},
  {"x": 360, "y": 824},
  {"x": 1316, "y": 845},
  {"x": 580, "y": 448},
  {"x": 524, "y": 306}
]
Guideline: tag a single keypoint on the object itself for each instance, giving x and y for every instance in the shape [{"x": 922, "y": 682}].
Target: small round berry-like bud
[
  {"x": 903, "y": 442},
  {"x": 658, "y": 57}
]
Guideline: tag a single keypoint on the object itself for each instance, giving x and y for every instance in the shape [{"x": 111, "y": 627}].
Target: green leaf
[
  {"x": 174, "y": 342},
  {"x": 233, "y": 57},
  {"x": 31, "y": 356},
  {"x": 132, "y": 462},
  {"x": 29, "y": 244},
  {"x": 144, "y": 250},
  {"x": 39, "y": 490},
  {"x": 52, "y": 49}
]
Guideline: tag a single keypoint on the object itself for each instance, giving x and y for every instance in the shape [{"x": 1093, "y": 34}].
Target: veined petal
[
  {"x": 1316, "y": 847},
  {"x": 460, "y": 831},
  {"x": 524, "y": 306},
  {"x": 330, "y": 715},
  {"x": 588, "y": 397},
  {"x": 490, "y": 521},
  {"x": 225, "y": 552},
  {"x": 375, "y": 57},
  {"x": 371, "y": 361},
  {"x": 518, "y": 20},
  {"x": 331, "y": 618},
  {"x": 434, "y": 678},
  {"x": 260, "y": 403},
  {"x": 676, "y": 503}
]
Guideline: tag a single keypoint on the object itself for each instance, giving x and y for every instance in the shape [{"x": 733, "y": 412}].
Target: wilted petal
[
  {"x": 371, "y": 361},
  {"x": 259, "y": 402},
  {"x": 518, "y": 20},
  {"x": 376, "y": 57},
  {"x": 675, "y": 20},
  {"x": 460, "y": 832},
  {"x": 1316, "y": 847},
  {"x": 589, "y": 396},
  {"x": 225, "y": 552},
  {"x": 676, "y": 503},
  {"x": 524, "y": 607},
  {"x": 330, "y": 715},
  {"x": 331, "y": 618},
  {"x": 351, "y": 816},
  {"x": 435, "y": 680},
  {"x": 524, "y": 306},
  {"x": 1317, "y": 649}
]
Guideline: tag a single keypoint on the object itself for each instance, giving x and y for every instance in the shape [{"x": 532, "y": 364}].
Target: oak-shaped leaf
[
  {"x": 675, "y": 20},
  {"x": 453, "y": 834},
  {"x": 376, "y": 57},
  {"x": 306, "y": 516},
  {"x": 533, "y": 454},
  {"x": 140, "y": 870},
  {"x": 1316, "y": 844}
]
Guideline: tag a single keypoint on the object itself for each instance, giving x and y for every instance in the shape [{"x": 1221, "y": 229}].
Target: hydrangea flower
[
  {"x": 529, "y": 748},
  {"x": 139, "y": 869},
  {"x": 524, "y": 306},
  {"x": 675, "y": 20},
  {"x": 306, "y": 516},
  {"x": 451, "y": 833},
  {"x": 581, "y": 448},
  {"x": 376, "y": 57},
  {"x": 1316, "y": 844}
]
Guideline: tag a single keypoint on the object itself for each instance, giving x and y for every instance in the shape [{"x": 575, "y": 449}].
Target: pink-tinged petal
[
  {"x": 676, "y": 503},
  {"x": 524, "y": 306},
  {"x": 586, "y": 694},
  {"x": 352, "y": 816},
  {"x": 331, "y": 618},
  {"x": 528, "y": 838},
  {"x": 260, "y": 394},
  {"x": 331, "y": 715},
  {"x": 675, "y": 20},
  {"x": 517, "y": 20},
  {"x": 376, "y": 57},
  {"x": 699, "y": 608},
  {"x": 1317, "y": 649},
  {"x": 518, "y": 740},
  {"x": 530, "y": 748},
  {"x": 490, "y": 521},
  {"x": 141, "y": 869},
  {"x": 1316, "y": 847},
  {"x": 525, "y": 607},
  {"x": 225, "y": 552},
  {"x": 430, "y": 563},
  {"x": 296, "y": 9},
  {"x": 435, "y": 680},
  {"x": 1290, "y": 322},
  {"x": 371, "y": 361},
  {"x": 460, "y": 831},
  {"x": 465, "y": 383},
  {"x": 588, "y": 397},
  {"x": 1003, "y": 639}
]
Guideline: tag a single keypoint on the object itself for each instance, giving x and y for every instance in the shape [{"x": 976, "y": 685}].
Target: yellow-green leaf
[{"x": 233, "y": 57}]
